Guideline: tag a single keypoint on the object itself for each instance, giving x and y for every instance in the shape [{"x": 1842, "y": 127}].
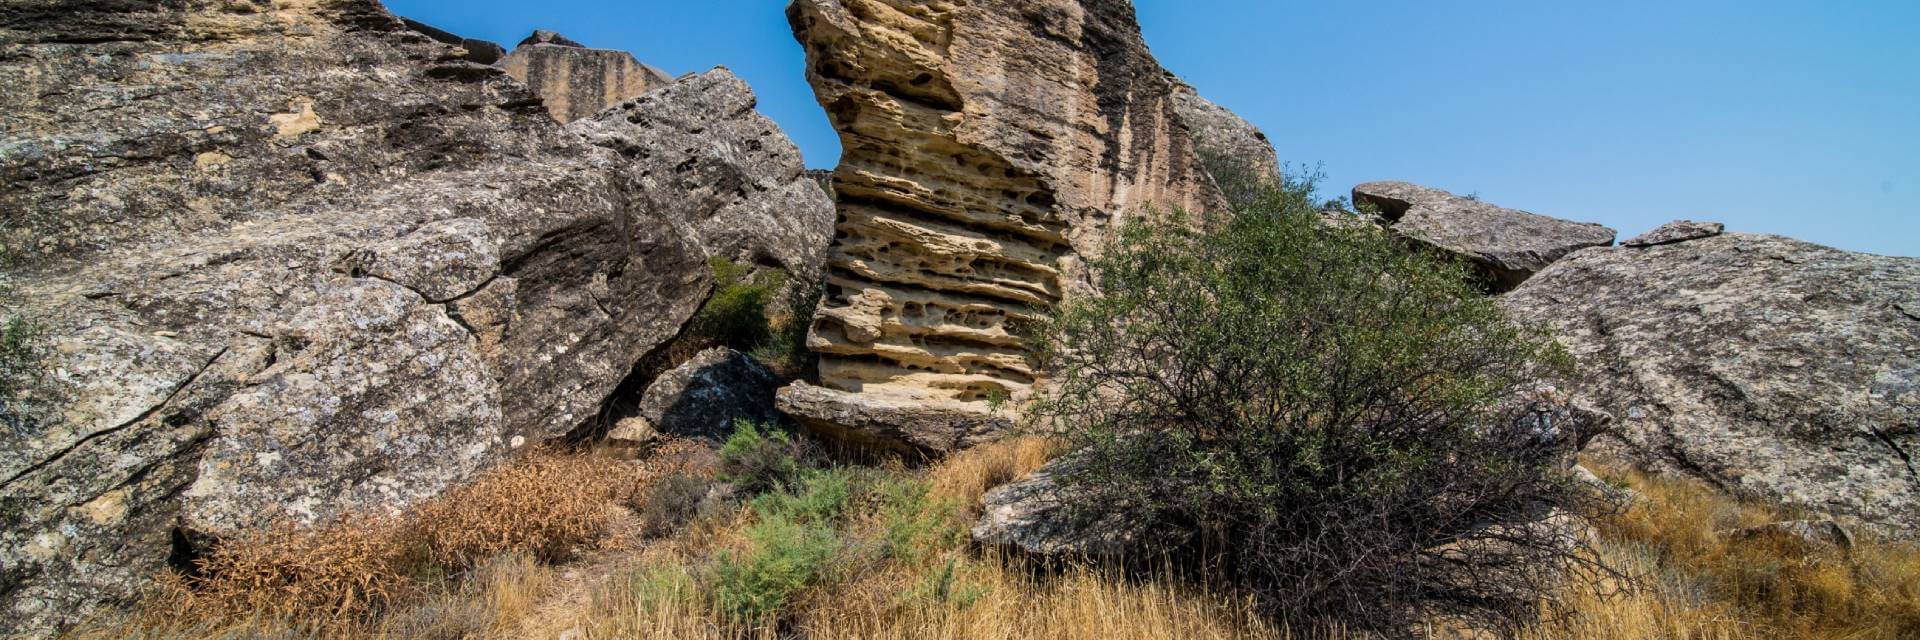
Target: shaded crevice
[{"x": 1905, "y": 457}]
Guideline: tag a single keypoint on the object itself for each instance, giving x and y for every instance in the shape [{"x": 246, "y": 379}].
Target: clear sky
[{"x": 1796, "y": 117}]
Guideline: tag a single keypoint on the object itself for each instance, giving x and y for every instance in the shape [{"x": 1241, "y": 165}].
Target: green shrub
[
  {"x": 817, "y": 497},
  {"x": 736, "y": 314},
  {"x": 785, "y": 557},
  {"x": 1319, "y": 401},
  {"x": 915, "y": 525},
  {"x": 758, "y": 458}
]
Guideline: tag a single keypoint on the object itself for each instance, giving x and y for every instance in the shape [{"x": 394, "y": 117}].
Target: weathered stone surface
[
  {"x": 1506, "y": 246},
  {"x": 576, "y": 82},
  {"x": 1765, "y": 365},
  {"x": 883, "y": 421},
  {"x": 478, "y": 51},
  {"x": 988, "y": 146},
  {"x": 1218, "y": 132},
  {"x": 704, "y": 158},
  {"x": 705, "y": 396},
  {"x": 1040, "y": 515},
  {"x": 1676, "y": 231},
  {"x": 1555, "y": 422},
  {"x": 293, "y": 262}
]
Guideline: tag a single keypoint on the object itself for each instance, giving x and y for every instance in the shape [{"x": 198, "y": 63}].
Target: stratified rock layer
[
  {"x": 1765, "y": 365},
  {"x": 1506, "y": 246},
  {"x": 987, "y": 145},
  {"x": 300, "y": 261},
  {"x": 577, "y": 82}
]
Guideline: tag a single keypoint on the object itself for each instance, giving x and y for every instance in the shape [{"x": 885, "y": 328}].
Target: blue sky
[{"x": 1800, "y": 118}]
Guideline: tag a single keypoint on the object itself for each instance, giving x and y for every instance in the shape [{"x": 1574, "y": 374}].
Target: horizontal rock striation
[
  {"x": 294, "y": 262},
  {"x": 987, "y": 145},
  {"x": 1767, "y": 366},
  {"x": 576, "y": 82}
]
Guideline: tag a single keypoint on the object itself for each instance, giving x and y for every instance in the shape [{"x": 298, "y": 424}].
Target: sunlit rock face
[
  {"x": 989, "y": 146},
  {"x": 575, "y": 81}
]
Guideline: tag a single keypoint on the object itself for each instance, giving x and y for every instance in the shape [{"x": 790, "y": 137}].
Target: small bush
[
  {"x": 759, "y": 458},
  {"x": 673, "y": 502},
  {"x": 736, "y": 315},
  {"x": 785, "y": 557},
  {"x": 818, "y": 497},
  {"x": 1320, "y": 402},
  {"x": 544, "y": 505}
]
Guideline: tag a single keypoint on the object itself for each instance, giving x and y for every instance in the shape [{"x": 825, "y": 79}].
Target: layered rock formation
[
  {"x": 294, "y": 262},
  {"x": 577, "y": 82},
  {"x": 1505, "y": 246},
  {"x": 988, "y": 145},
  {"x": 1765, "y": 365}
]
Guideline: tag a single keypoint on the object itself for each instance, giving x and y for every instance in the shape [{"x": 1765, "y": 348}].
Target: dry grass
[
  {"x": 1688, "y": 583},
  {"x": 1697, "y": 583}
]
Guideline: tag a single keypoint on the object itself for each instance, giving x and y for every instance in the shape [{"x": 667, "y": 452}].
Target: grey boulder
[
  {"x": 704, "y": 397},
  {"x": 903, "y": 424},
  {"x": 1505, "y": 246},
  {"x": 707, "y": 160},
  {"x": 1764, "y": 365},
  {"x": 1043, "y": 516}
]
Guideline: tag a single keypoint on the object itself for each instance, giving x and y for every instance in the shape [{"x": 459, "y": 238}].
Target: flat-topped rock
[
  {"x": 1676, "y": 231},
  {"x": 1505, "y": 246},
  {"x": 904, "y": 423}
]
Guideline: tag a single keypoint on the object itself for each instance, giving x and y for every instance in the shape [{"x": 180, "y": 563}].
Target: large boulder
[
  {"x": 887, "y": 422},
  {"x": 705, "y": 158},
  {"x": 1043, "y": 515},
  {"x": 291, "y": 263},
  {"x": 704, "y": 397},
  {"x": 574, "y": 81},
  {"x": 1505, "y": 246},
  {"x": 987, "y": 147},
  {"x": 1765, "y": 365},
  {"x": 479, "y": 51}
]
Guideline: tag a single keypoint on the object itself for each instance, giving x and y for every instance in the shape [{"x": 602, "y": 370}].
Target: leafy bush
[
  {"x": 786, "y": 557},
  {"x": 1318, "y": 401},
  {"x": 759, "y": 458}
]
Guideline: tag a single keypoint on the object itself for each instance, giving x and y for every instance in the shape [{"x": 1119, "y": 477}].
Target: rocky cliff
[
  {"x": 575, "y": 81},
  {"x": 988, "y": 146},
  {"x": 1768, "y": 366},
  {"x": 295, "y": 261}
]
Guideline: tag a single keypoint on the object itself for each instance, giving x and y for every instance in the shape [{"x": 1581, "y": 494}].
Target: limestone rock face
[
  {"x": 1762, "y": 364},
  {"x": 891, "y": 422},
  {"x": 295, "y": 262},
  {"x": 748, "y": 200},
  {"x": 1506, "y": 246},
  {"x": 705, "y": 396},
  {"x": 576, "y": 82},
  {"x": 988, "y": 147}
]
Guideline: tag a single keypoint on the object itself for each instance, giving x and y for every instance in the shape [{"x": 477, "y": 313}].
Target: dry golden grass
[
  {"x": 1688, "y": 582},
  {"x": 1696, "y": 583}
]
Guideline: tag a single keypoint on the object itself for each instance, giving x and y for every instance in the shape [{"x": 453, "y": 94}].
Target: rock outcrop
[
  {"x": 1765, "y": 365},
  {"x": 1043, "y": 516},
  {"x": 1676, "y": 231},
  {"x": 478, "y": 51},
  {"x": 1505, "y": 246},
  {"x": 705, "y": 158},
  {"x": 1221, "y": 134},
  {"x": 988, "y": 146},
  {"x": 705, "y": 396},
  {"x": 576, "y": 82},
  {"x": 299, "y": 261}
]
